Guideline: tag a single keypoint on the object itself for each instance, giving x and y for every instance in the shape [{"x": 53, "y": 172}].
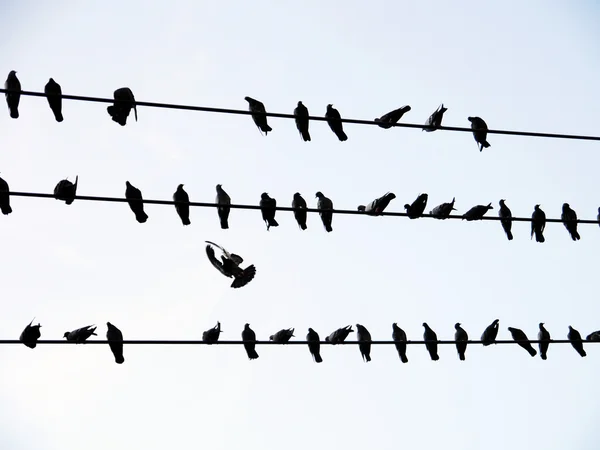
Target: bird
[
  {"x": 333, "y": 119},
  {"x": 480, "y": 130},
  {"x": 230, "y": 266},
  {"x": 65, "y": 190},
  {"x": 115, "y": 342},
  {"x": 282, "y": 336},
  {"x": 301, "y": 113},
  {"x": 54, "y": 95},
  {"x": 377, "y": 206},
  {"x": 13, "y": 98},
  {"x": 476, "y": 212},
  {"x": 399, "y": 337},
  {"x": 223, "y": 211},
  {"x": 435, "y": 120},
  {"x": 134, "y": 199},
  {"x": 30, "y": 335},
  {"x": 212, "y": 335},
  {"x": 259, "y": 119},
  {"x": 598, "y": 217},
  {"x": 80, "y": 334},
  {"x": 415, "y": 210},
  {"x": 569, "y": 219},
  {"x": 249, "y": 336},
  {"x": 505, "y": 219},
  {"x": 325, "y": 205},
  {"x": 4, "y": 197},
  {"x": 575, "y": 337},
  {"x": 300, "y": 214},
  {"x": 519, "y": 335},
  {"x": 314, "y": 345},
  {"x": 544, "y": 338},
  {"x": 443, "y": 211},
  {"x": 595, "y": 336},
  {"x": 430, "y": 339},
  {"x": 364, "y": 342},
  {"x": 267, "y": 208},
  {"x": 490, "y": 333},
  {"x": 124, "y": 103},
  {"x": 461, "y": 337},
  {"x": 183, "y": 209},
  {"x": 339, "y": 335},
  {"x": 538, "y": 223},
  {"x": 392, "y": 117}
]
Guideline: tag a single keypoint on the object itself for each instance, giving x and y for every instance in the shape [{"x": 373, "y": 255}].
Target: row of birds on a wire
[
  {"x": 125, "y": 102},
  {"x": 114, "y": 336}
]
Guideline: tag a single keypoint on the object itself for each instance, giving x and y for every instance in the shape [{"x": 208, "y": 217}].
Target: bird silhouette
[
  {"x": 443, "y": 211},
  {"x": 544, "y": 338},
  {"x": 260, "y": 120},
  {"x": 521, "y": 338},
  {"x": 134, "y": 199},
  {"x": 314, "y": 345},
  {"x": 431, "y": 339},
  {"x": 230, "y": 266},
  {"x": 480, "y": 130},
  {"x": 249, "y": 336},
  {"x": 183, "y": 209},
  {"x": 416, "y": 208},
  {"x": 54, "y": 95},
  {"x": 211, "y": 335},
  {"x": 124, "y": 103},
  {"x": 325, "y": 205},
  {"x": 223, "y": 200},
  {"x": 13, "y": 84},
  {"x": 569, "y": 219},
  {"x": 399, "y": 337},
  {"x": 282, "y": 336},
  {"x": 477, "y": 212},
  {"x": 538, "y": 223},
  {"x": 65, "y": 190},
  {"x": 387, "y": 120},
  {"x": 435, "y": 120},
  {"x": 4, "y": 197},
  {"x": 364, "y": 338},
  {"x": 115, "y": 342},
  {"x": 339, "y": 335},
  {"x": 267, "y": 209},
  {"x": 300, "y": 214},
  {"x": 461, "y": 337},
  {"x": 505, "y": 219},
  {"x": 575, "y": 337},
  {"x": 490, "y": 333},
  {"x": 80, "y": 334},
  {"x": 30, "y": 335},
  {"x": 301, "y": 113},
  {"x": 333, "y": 119},
  {"x": 377, "y": 206}
]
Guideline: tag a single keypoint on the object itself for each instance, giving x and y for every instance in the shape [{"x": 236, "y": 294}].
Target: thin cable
[{"x": 317, "y": 118}]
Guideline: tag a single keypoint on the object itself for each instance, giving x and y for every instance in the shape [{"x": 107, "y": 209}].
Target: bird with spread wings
[{"x": 230, "y": 266}]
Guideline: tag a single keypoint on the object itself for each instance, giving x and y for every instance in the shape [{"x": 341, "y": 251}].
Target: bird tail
[
  {"x": 342, "y": 136},
  {"x": 58, "y": 116},
  {"x": 318, "y": 358},
  {"x": 273, "y": 223},
  {"x": 462, "y": 356},
  {"x": 582, "y": 352},
  {"x": 531, "y": 351},
  {"x": 485, "y": 144},
  {"x": 303, "y": 226},
  {"x": 141, "y": 217},
  {"x": 575, "y": 235},
  {"x": 543, "y": 356},
  {"x": 266, "y": 128},
  {"x": 509, "y": 235},
  {"x": 328, "y": 228},
  {"x": 305, "y": 136},
  {"x": 224, "y": 224},
  {"x": 252, "y": 354},
  {"x": 6, "y": 209},
  {"x": 403, "y": 358},
  {"x": 14, "y": 113},
  {"x": 186, "y": 221},
  {"x": 119, "y": 359},
  {"x": 435, "y": 357},
  {"x": 539, "y": 236}
]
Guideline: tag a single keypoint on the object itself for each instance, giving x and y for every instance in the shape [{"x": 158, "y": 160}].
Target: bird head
[
  {"x": 180, "y": 187},
  {"x": 537, "y": 207},
  {"x": 271, "y": 337},
  {"x": 218, "y": 187},
  {"x": 66, "y": 334},
  {"x": 489, "y": 206},
  {"x": 12, "y": 73},
  {"x": 319, "y": 195},
  {"x": 407, "y": 206},
  {"x": 362, "y": 208},
  {"x": 541, "y": 325},
  {"x": 457, "y": 326},
  {"x": 496, "y": 322},
  {"x": 264, "y": 196},
  {"x": 566, "y": 206},
  {"x": 300, "y": 104},
  {"x": 425, "y": 325}
]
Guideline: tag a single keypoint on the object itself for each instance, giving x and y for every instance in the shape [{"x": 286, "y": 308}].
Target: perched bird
[
  {"x": 538, "y": 223},
  {"x": 575, "y": 337},
  {"x": 415, "y": 210},
  {"x": 479, "y": 128},
  {"x": 4, "y": 197},
  {"x": 13, "y": 98},
  {"x": 399, "y": 337},
  {"x": 595, "y": 336},
  {"x": 80, "y": 334},
  {"x": 65, "y": 190},
  {"x": 505, "y": 219},
  {"x": 544, "y": 338},
  {"x": 598, "y": 217},
  {"x": 124, "y": 103},
  {"x": 300, "y": 214},
  {"x": 430, "y": 338},
  {"x": 249, "y": 336},
  {"x": 392, "y": 117},
  {"x": 54, "y": 95},
  {"x": 267, "y": 208},
  {"x": 519, "y": 335},
  {"x": 230, "y": 266},
  {"x": 461, "y": 337},
  {"x": 259, "y": 119},
  {"x": 339, "y": 335},
  {"x": 377, "y": 206},
  {"x": 443, "y": 211},
  {"x": 435, "y": 120},
  {"x": 364, "y": 338},
  {"x": 301, "y": 113},
  {"x": 212, "y": 335},
  {"x": 30, "y": 335},
  {"x": 336, "y": 126},
  {"x": 325, "y": 206},
  {"x": 490, "y": 333},
  {"x": 477, "y": 212},
  {"x": 223, "y": 211},
  {"x": 183, "y": 209},
  {"x": 569, "y": 219},
  {"x": 282, "y": 336},
  {"x": 115, "y": 342},
  {"x": 134, "y": 199},
  {"x": 314, "y": 345}
]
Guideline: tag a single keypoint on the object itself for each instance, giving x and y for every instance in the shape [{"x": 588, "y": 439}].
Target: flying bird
[
  {"x": 224, "y": 201},
  {"x": 595, "y": 336},
  {"x": 115, "y": 342},
  {"x": 282, "y": 336},
  {"x": 461, "y": 337},
  {"x": 325, "y": 205},
  {"x": 505, "y": 219},
  {"x": 569, "y": 219},
  {"x": 364, "y": 338},
  {"x": 267, "y": 208},
  {"x": 30, "y": 335},
  {"x": 183, "y": 209},
  {"x": 544, "y": 338},
  {"x": 575, "y": 337},
  {"x": 377, "y": 206},
  {"x": 124, "y": 103},
  {"x": 430, "y": 339},
  {"x": 134, "y": 199},
  {"x": 301, "y": 113},
  {"x": 392, "y": 117},
  {"x": 230, "y": 266},
  {"x": 4, "y": 197},
  {"x": 490, "y": 333},
  {"x": 415, "y": 210},
  {"x": 80, "y": 334},
  {"x": 211, "y": 336},
  {"x": 259, "y": 119},
  {"x": 65, "y": 190},
  {"x": 480, "y": 130},
  {"x": 249, "y": 336},
  {"x": 538, "y": 223},
  {"x": 54, "y": 95},
  {"x": 314, "y": 345},
  {"x": 519, "y": 335},
  {"x": 300, "y": 214},
  {"x": 333, "y": 119},
  {"x": 435, "y": 120},
  {"x": 477, "y": 212},
  {"x": 399, "y": 337},
  {"x": 339, "y": 335},
  {"x": 443, "y": 211},
  {"x": 13, "y": 98}
]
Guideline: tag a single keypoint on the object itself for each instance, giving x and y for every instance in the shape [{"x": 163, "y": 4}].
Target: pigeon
[
  {"x": 575, "y": 337},
  {"x": 336, "y": 126},
  {"x": 282, "y": 336},
  {"x": 538, "y": 223},
  {"x": 133, "y": 196},
  {"x": 377, "y": 206},
  {"x": 115, "y": 342},
  {"x": 124, "y": 102},
  {"x": 339, "y": 335},
  {"x": 12, "y": 98},
  {"x": 54, "y": 95},
  {"x": 598, "y": 217},
  {"x": 519, "y": 335},
  {"x": 399, "y": 337},
  {"x": 259, "y": 119},
  {"x": 364, "y": 338},
  {"x": 301, "y": 113},
  {"x": 544, "y": 338},
  {"x": 477, "y": 212},
  {"x": 595, "y": 336},
  {"x": 415, "y": 210},
  {"x": 489, "y": 334},
  {"x": 223, "y": 211},
  {"x": 65, "y": 190},
  {"x": 392, "y": 117},
  {"x": 325, "y": 206},
  {"x": 435, "y": 120},
  {"x": 479, "y": 128},
  {"x": 4, "y": 197},
  {"x": 249, "y": 336},
  {"x": 314, "y": 345},
  {"x": 300, "y": 214},
  {"x": 267, "y": 208},
  {"x": 461, "y": 337},
  {"x": 183, "y": 209},
  {"x": 80, "y": 334},
  {"x": 30, "y": 335},
  {"x": 211, "y": 336},
  {"x": 443, "y": 211},
  {"x": 505, "y": 219},
  {"x": 569, "y": 219},
  {"x": 230, "y": 266},
  {"x": 430, "y": 339}
]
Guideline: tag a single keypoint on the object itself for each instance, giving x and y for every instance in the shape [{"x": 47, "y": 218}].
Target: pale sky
[{"x": 518, "y": 65}]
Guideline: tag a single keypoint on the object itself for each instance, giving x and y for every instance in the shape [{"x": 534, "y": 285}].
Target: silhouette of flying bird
[
  {"x": 124, "y": 103},
  {"x": 134, "y": 197},
  {"x": 230, "y": 266}
]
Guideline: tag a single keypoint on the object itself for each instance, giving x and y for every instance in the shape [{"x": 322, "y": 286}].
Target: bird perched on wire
[
  {"x": 575, "y": 337},
  {"x": 477, "y": 212},
  {"x": 594, "y": 336},
  {"x": 267, "y": 209},
  {"x": 364, "y": 338},
  {"x": 387, "y": 120},
  {"x": 399, "y": 337},
  {"x": 282, "y": 336},
  {"x": 12, "y": 98},
  {"x": 65, "y": 190},
  {"x": 325, "y": 206},
  {"x": 569, "y": 219},
  {"x": 4, "y": 197},
  {"x": 479, "y": 128},
  {"x": 249, "y": 336},
  {"x": 521, "y": 338},
  {"x": 339, "y": 335},
  {"x": 430, "y": 339},
  {"x": 230, "y": 266},
  {"x": 490, "y": 333},
  {"x": 461, "y": 337},
  {"x": 124, "y": 103},
  {"x": 505, "y": 219},
  {"x": 115, "y": 342},
  {"x": 301, "y": 113},
  {"x": 259, "y": 119},
  {"x": 435, "y": 120},
  {"x": 538, "y": 223},
  {"x": 314, "y": 345},
  {"x": 416, "y": 208},
  {"x": 223, "y": 200},
  {"x": 544, "y": 338},
  {"x": 212, "y": 335},
  {"x": 183, "y": 208},
  {"x": 54, "y": 95},
  {"x": 443, "y": 211},
  {"x": 334, "y": 121},
  {"x": 300, "y": 213},
  {"x": 80, "y": 334},
  {"x": 377, "y": 206},
  {"x": 134, "y": 199},
  {"x": 30, "y": 335}
]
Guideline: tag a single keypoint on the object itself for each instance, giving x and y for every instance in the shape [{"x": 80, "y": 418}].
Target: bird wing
[
  {"x": 210, "y": 252},
  {"x": 244, "y": 277}
]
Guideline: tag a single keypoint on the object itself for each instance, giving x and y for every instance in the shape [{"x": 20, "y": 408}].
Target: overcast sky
[{"x": 519, "y": 65}]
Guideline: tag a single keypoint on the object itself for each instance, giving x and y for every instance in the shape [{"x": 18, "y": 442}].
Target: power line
[{"x": 314, "y": 118}]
